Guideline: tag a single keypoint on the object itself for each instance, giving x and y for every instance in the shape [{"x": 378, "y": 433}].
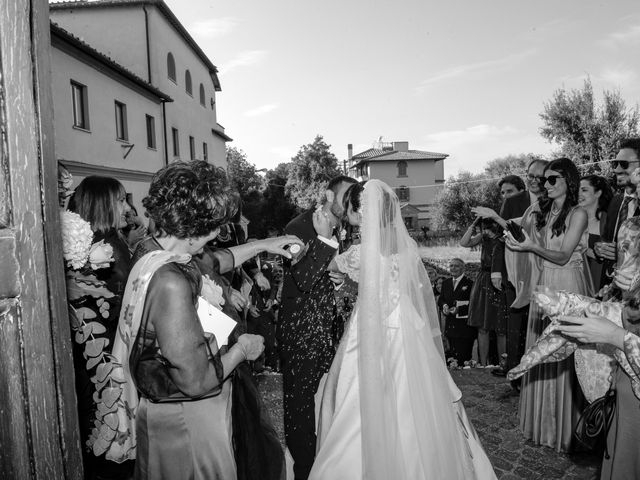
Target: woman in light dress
[{"x": 388, "y": 408}]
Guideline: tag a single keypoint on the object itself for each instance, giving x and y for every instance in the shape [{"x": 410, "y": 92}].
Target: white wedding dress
[{"x": 457, "y": 454}]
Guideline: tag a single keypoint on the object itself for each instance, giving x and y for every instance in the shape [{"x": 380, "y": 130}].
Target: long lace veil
[{"x": 392, "y": 276}]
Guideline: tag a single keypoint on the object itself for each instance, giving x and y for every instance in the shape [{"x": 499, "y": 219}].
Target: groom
[{"x": 306, "y": 320}]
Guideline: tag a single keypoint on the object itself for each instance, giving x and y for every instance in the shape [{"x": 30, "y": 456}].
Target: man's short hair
[
  {"x": 632, "y": 143},
  {"x": 335, "y": 182},
  {"x": 459, "y": 260},
  {"x": 514, "y": 180},
  {"x": 535, "y": 160}
]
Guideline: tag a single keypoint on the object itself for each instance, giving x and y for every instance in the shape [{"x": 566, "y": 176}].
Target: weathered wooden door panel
[{"x": 38, "y": 425}]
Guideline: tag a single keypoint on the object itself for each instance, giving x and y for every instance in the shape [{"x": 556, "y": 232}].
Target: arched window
[
  {"x": 202, "y": 99},
  {"x": 187, "y": 83},
  {"x": 402, "y": 169},
  {"x": 171, "y": 67}
]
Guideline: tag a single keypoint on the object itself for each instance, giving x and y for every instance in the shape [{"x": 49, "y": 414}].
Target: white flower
[
  {"x": 343, "y": 234},
  {"x": 101, "y": 255},
  {"x": 76, "y": 239},
  {"x": 212, "y": 292}
]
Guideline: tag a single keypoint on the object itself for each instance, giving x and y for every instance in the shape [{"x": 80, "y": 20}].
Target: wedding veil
[{"x": 392, "y": 277}]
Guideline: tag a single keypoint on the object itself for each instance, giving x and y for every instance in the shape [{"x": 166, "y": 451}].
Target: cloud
[
  {"x": 215, "y": 27},
  {"x": 478, "y": 67},
  {"x": 284, "y": 152},
  {"x": 244, "y": 59},
  {"x": 470, "y": 149},
  {"x": 630, "y": 35},
  {"x": 619, "y": 77},
  {"x": 255, "y": 112}
]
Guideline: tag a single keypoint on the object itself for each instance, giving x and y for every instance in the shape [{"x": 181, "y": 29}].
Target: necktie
[{"x": 622, "y": 214}]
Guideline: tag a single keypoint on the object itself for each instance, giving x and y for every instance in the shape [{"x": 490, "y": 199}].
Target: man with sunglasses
[{"x": 623, "y": 206}]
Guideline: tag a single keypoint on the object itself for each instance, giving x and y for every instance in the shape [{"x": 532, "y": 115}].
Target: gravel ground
[{"x": 496, "y": 420}]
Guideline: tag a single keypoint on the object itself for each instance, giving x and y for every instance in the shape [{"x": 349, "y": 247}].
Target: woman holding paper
[{"x": 196, "y": 417}]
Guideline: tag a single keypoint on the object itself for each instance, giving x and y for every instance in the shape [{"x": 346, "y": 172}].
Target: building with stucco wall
[
  {"x": 416, "y": 175},
  {"x": 136, "y": 53}
]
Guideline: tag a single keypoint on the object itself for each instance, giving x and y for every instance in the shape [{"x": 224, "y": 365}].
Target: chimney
[
  {"x": 349, "y": 151},
  {"x": 401, "y": 146}
]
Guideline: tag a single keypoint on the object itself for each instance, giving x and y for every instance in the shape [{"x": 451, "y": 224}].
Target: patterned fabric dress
[{"x": 551, "y": 400}]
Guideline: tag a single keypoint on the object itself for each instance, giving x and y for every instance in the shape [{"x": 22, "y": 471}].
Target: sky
[{"x": 465, "y": 78}]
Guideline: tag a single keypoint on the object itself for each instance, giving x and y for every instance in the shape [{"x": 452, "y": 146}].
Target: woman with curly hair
[
  {"x": 594, "y": 197},
  {"x": 556, "y": 238},
  {"x": 197, "y": 415}
]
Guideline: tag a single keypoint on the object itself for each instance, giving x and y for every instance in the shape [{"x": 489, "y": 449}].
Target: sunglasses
[
  {"x": 534, "y": 178},
  {"x": 624, "y": 164},
  {"x": 552, "y": 179}
]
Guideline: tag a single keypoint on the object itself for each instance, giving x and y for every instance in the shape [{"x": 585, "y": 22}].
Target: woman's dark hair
[
  {"x": 491, "y": 225},
  {"x": 600, "y": 184},
  {"x": 514, "y": 180},
  {"x": 190, "y": 200},
  {"x": 569, "y": 172},
  {"x": 96, "y": 199},
  {"x": 352, "y": 196}
]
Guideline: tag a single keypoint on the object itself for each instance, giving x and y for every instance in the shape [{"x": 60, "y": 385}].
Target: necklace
[{"x": 554, "y": 211}]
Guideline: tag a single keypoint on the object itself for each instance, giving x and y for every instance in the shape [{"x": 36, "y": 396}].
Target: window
[
  {"x": 80, "y": 105},
  {"x": 121, "y": 121},
  {"x": 192, "y": 148},
  {"x": 205, "y": 152},
  {"x": 202, "y": 99},
  {"x": 187, "y": 83},
  {"x": 151, "y": 132},
  {"x": 171, "y": 67},
  {"x": 402, "y": 169},
  {"x": 176, "y": 142},
  {"x": 403, "y": 193}
]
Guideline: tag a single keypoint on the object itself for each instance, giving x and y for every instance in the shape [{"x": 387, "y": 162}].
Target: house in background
[
  {"x": 132, "y": 92},
  {"x": 417, "y": 176}
]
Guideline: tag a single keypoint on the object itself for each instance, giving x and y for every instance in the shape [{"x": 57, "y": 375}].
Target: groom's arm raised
[{"x": 307, "y": 269}]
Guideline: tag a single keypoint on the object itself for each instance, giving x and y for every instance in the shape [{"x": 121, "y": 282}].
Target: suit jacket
[
  {"x": 308, "y": 311},
  {"x": 608, "y": 234},
  {"x": 515, "y": 206},
  {"x": 456, "y": 324}
]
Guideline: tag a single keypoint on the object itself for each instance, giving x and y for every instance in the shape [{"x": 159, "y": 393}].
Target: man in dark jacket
[
  {"x": 623, "y": 206},
  {"x": 454, "y": 305},
  {"x": 307, "y": 321}
]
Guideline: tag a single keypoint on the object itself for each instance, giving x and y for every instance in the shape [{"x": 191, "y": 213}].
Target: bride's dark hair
[{"x": 352, "y": 197}]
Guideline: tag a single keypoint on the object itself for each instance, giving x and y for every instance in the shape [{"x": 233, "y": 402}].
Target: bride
[{"x": 388, "y": 408}]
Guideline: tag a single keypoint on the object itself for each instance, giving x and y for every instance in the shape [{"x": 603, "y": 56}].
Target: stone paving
[{"x": 495, "y": 419}]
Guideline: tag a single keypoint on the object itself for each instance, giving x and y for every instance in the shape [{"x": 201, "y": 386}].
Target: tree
[
  {"x": 460, "y": 194},
  {"x": 277, "y": 207},
  {"x": 509, "y": 165},
  {"x": 586, "y": 131},
  {"x": 242, "y": 174},
  {"x": 312, "y": 167}
]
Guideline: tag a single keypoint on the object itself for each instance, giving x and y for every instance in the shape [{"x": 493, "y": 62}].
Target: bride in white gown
[{"x": 388, "y": 408}]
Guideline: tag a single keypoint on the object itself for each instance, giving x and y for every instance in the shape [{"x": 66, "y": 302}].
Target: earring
[{"x": 191, "y": 242}]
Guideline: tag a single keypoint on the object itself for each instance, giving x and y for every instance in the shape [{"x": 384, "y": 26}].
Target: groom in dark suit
[{"x": 307, "y": 319}]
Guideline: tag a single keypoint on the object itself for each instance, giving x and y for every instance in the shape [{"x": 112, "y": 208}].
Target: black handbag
[
  {"x": 516, "y": 230},
  {"x": 594, "y": 423}
]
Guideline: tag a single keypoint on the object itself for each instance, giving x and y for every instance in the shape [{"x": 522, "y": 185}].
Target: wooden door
[{"x": 39, "y": 436}]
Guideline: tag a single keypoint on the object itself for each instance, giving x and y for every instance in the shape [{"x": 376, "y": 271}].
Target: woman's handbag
[{"x": 593, "y": 426}]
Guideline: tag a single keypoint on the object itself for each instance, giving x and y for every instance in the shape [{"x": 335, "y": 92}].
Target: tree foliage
[
  {"x": 242, "y": 174},
  {"x": 588, "y": 131},
  {"x": 509, "y": 165},
  {"x": 312, "y": 167},
  {"x": 460, "y": 194},
  {"x": 277, "y": 207}
]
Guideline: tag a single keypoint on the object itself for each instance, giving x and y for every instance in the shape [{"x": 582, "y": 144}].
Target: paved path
[{"x": 495, "y": 419}]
